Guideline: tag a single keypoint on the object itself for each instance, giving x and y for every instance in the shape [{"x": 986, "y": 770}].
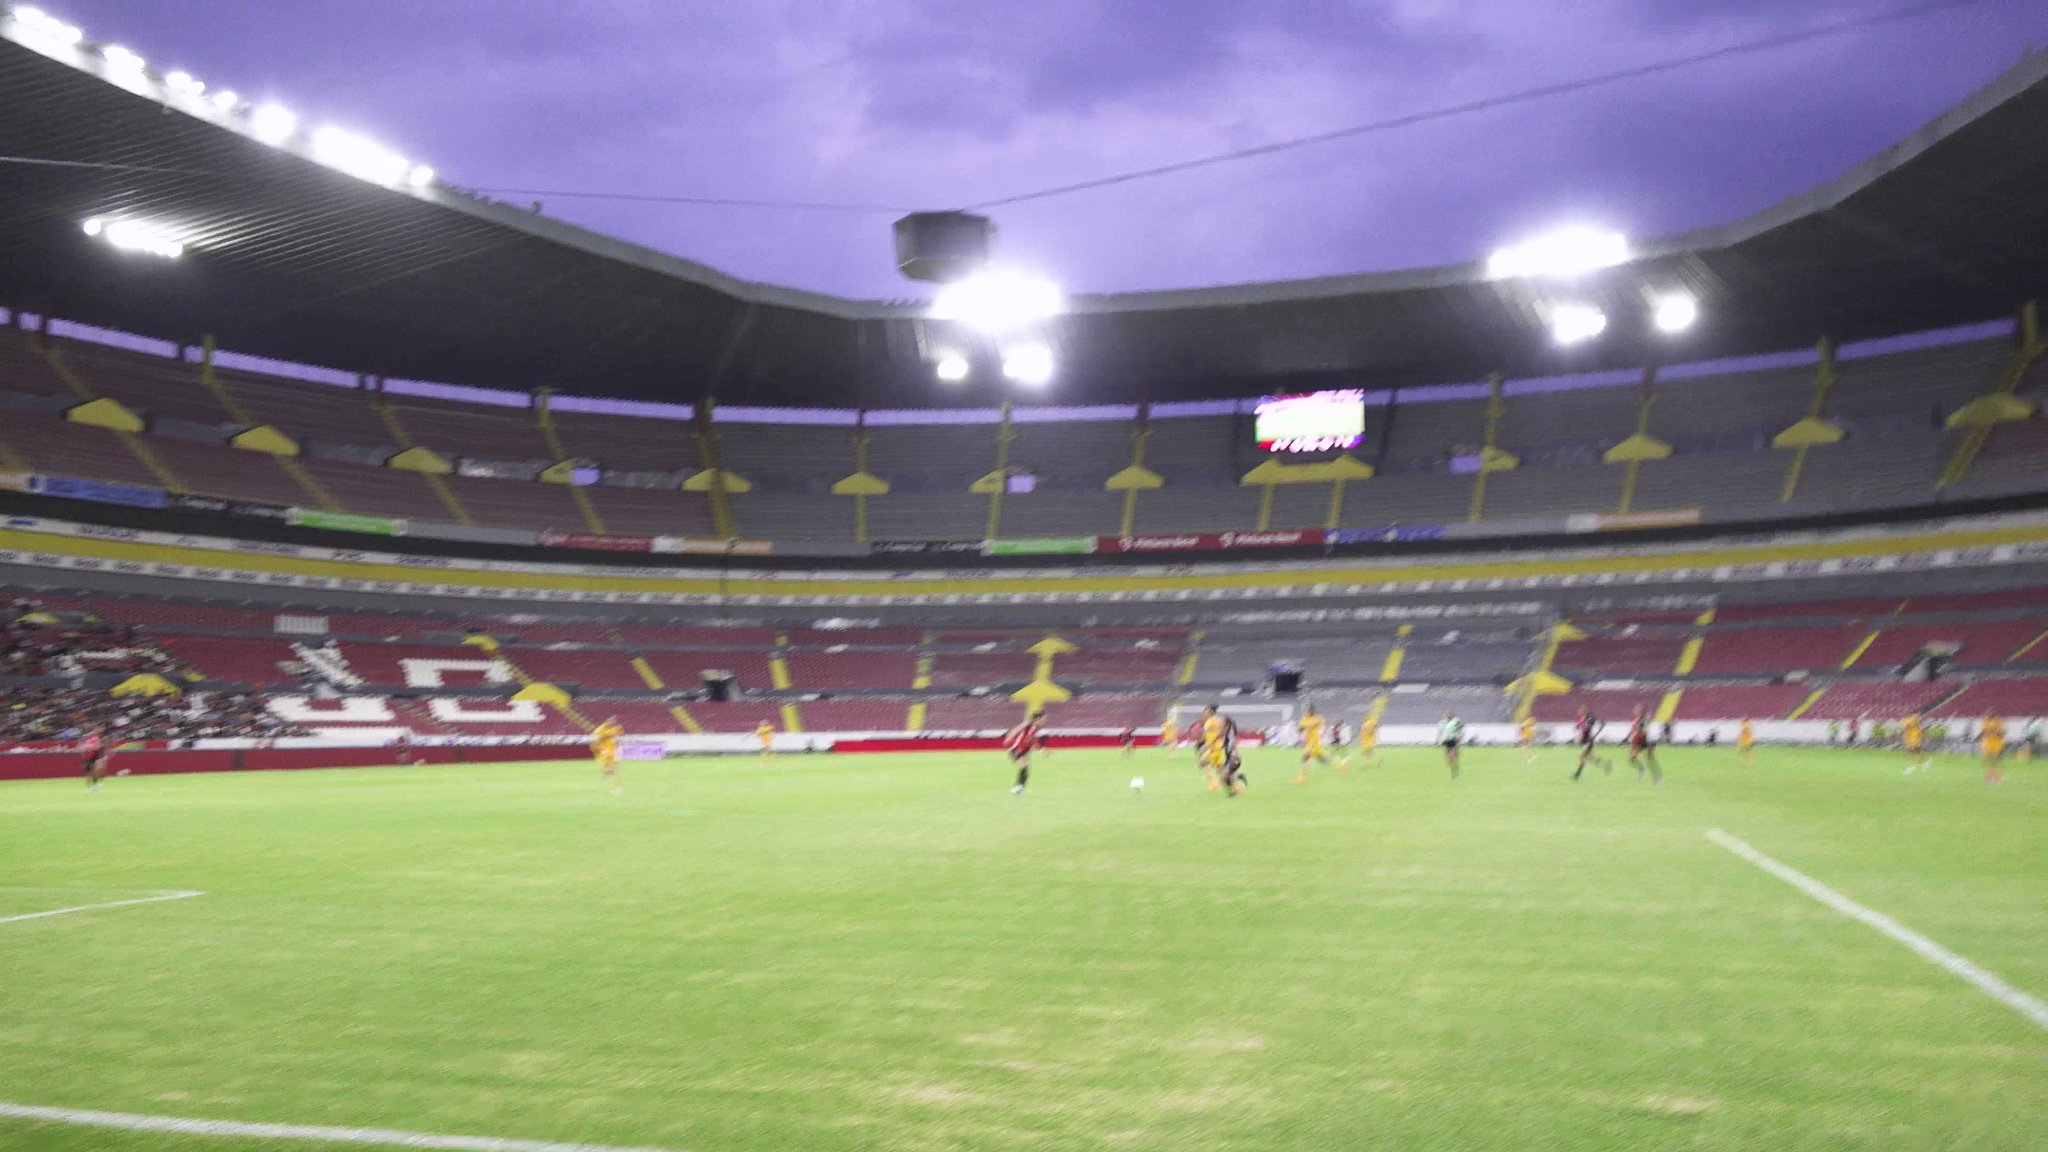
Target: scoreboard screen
[{"x": 1313, "y": 422}]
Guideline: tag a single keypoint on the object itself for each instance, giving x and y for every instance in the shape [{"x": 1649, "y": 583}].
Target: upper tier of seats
[{"x": 1719, "y": 427}]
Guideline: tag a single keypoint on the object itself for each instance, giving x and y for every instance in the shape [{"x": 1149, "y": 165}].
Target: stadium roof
[{"x": 294, "y": 260}]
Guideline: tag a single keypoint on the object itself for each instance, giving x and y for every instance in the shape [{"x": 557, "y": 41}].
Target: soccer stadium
[{"x": 473, "y": 681}]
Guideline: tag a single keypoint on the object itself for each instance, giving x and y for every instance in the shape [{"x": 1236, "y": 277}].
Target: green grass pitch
[{"x": 870, "y": 953}]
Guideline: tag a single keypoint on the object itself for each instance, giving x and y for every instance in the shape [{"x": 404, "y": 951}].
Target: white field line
[
  {"x": 133, "y": 1122},
  {"x": 156, "y": 899},
  {"x": 1987, "y": 982}
]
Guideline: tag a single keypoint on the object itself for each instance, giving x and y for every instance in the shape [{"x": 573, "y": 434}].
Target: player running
[
  {"x": 1913, "y": 738},
  {"x": 1587, "y": 733},
  {"x": 1168, "y": 736},
  {"x": 1020, "y": 742},
  {"x": 1211, "y": 755},
  {"x": 94, "y": 749},
  {"x": 2030, "y": 739},
  {"x": 1451, "y": 734},
  {"x": 604, "y": 748},
  {"x": 1642, "y": 747},
  {"x": 1229, "y": 765},
  {"x": 765, "y": 733},
  {"x": 1313, "y": 727},
  {"x": 1128, "y": 741},
  {"x": 1991, "y": 742},
  {"x": 1745, "y": 742},
  {"x": 1368, "y": 739}
]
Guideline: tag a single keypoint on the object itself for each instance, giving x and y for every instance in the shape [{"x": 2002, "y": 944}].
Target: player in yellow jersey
[
  {"x": 1745, "y": 742},
  {"x": 1168, "y": 736},
  {"x": 1211, "y": 754},
  {"x": 1368, "y": 738},
  {"x": 1525, "y": 737},
  {"x": 1913, "y": 738},
  {"x": 1991, "y": 742},
  {"x": 604, "y": 748},
  {"x": 1313, "y": 727},
  {"x": 765, "y": 733}
]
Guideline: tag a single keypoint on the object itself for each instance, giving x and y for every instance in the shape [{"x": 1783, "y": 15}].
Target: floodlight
[
  {"x": 1576, "y": 323},
  {"x": 48, "y": 27},
  {"x": 273, "y": 124},
  {"x": 225, "y": 100},
  {"x": 359, "y": 157},
  {"x": 1565, "y": 252},
  {"x": 1675, "y": 312},
  {"x": 420, "y": 176},
  {"x": 952, "y": 368},
  {"x": 1028, "y": 363},
  {"x": 184, "y": 84},
  {"x": 136, "y": 236},
  {"x": 998, "y": 301},
  {"x": 122, "y": 59}
]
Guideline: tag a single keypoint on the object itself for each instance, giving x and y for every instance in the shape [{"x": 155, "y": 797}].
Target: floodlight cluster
[
  {"x": 1008, "y": 310},
  {"x": 136, "y": 236},
  {"x": 1573, "y": 252},
  {"x": 268, "y": 123}
]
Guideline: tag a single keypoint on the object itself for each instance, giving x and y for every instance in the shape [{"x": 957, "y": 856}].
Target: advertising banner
[
  {"x": 1388, "y": 534},
  {"x": 710, "y": 546},
  {"x": 596, "y": 541},
  {"x": 1625, "y": 521},
  {"x": 1042, "y": 546},
  {"x": 1210, "y": 541},
  {"x": 925, "y": 547},
  {"x": 185, "y": 502},
  {"x": 100, "y": 491},
  {"x": 346, "y": 522}
]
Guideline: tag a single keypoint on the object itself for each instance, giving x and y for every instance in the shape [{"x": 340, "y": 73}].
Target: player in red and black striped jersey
[
  {"x": 1587, "y": 731},
  {"x": 1642, "y": 747},
  {"x": 1020, "y": 742}
]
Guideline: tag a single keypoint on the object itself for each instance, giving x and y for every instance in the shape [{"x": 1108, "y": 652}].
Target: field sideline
[{"x": 893, "y": 952}]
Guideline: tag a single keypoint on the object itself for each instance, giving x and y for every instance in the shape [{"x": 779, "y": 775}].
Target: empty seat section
[
  {"x": 1897, "y": 644},
  {"x": 154, "y": 385},
  {"x": 849, "y": 714},
  {"x": 736, "y": 715},
  {"x": 321, "y": 411},
  {"x": 1778, "y": 649},
  {"x": 1140, "y": 712},
  {"x": 1876, "y": 701},
  {"x": 2027, "y": 696},
  {"x": 652, "y": 511},
  {"x": 1740, "y": 701},
  {"x": 1648, "y": 653},
  {"x": 58, "y": 446},
  {"x": 969, "y": 714},
  {"x": 971, "y": 669},
  {"x": 517, "y": 504},
  {"x": 422, "y": 665},
  {"x": 852, "y": 669},
  {"x": 629, "y": 443},
  {"x": 685, "y": 670},
  {"x": 1114, "y": 666},
  {"x": 479, "y": 431},
  {"x": 592, "y": 669},
  {"x": 248, "y": 660},
  {"x": 1615, "y": 706},
  {"x": 379, "y": 491}
]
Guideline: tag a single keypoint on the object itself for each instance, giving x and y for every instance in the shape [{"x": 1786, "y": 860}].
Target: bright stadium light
[
  {"x": 46, "y": 27},
  {"x": 359, "y": 157},
  {"x": 1675, "y": 312},
  {"x": 952, "y": 368},
  {"x": 1576, "y": 323},
  {"x": 135, "y": 236},
  {"x": 420, "y": 176},
  {"x": 998, "y": 301},
  {"x": 1565, "y": 252},
  {"x": 184, "y": 84},
  {"x": 1028, "y": 363},
  {"x": 225, "y": 100},
  {"x": 122, "y": 60},
  {"x": 273, "y": 124}
]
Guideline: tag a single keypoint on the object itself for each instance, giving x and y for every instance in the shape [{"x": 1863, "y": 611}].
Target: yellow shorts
[
  {"x": 1994, "y": 747},
  {"x": 1315, "y": 748}
]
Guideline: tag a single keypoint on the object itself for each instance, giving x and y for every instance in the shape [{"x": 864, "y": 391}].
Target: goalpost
[{"x": 1264, "y": 716}]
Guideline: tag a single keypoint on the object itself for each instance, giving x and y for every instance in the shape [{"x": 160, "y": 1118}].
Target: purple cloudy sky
[{"x": 934, "y": 103}]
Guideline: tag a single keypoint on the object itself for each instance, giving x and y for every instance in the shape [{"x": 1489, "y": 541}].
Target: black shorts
[
  {"x": 1019, "y": 755},
  {"x": 1639, "y": 746},
  {"x": 1450, "y": 745}
]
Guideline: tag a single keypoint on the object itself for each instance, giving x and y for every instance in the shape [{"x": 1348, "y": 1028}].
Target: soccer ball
[{"x": 1137, "y": 783}]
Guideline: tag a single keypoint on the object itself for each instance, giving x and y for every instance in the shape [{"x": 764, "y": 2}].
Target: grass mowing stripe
[
  {"x": 158, "y": 899},
  {"x": 1987, "y": 982},
  {"x": 385, "y": 1137}
]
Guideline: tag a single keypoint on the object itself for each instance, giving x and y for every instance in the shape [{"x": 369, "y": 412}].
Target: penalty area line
[
  {"x": 1985, "y": 981},
  {"x": 161, "y": 897},
  {"x": 311, "y": 1133}
]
